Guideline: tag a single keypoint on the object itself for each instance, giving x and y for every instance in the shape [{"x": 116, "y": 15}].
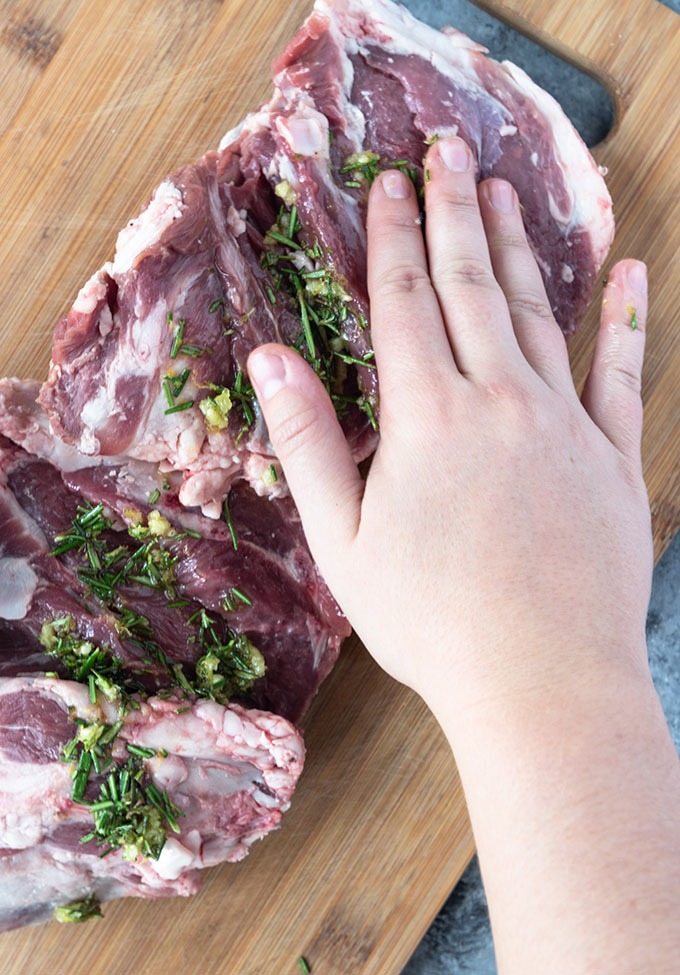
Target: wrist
[{"x": 531, "y": 694}]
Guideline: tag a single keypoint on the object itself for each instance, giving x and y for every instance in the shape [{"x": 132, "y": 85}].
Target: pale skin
[{"x": 502, "y": 540}]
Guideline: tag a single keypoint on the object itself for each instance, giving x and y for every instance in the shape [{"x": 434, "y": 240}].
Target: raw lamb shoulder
[
  {"x": 226, "y": 775},
  {"x": 264, "y": 240}
]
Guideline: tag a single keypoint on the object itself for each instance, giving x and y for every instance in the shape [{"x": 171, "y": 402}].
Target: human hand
[{"x": 501, "y": 540}]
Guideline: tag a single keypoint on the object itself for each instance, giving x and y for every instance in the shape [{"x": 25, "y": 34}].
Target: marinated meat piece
[
  {"x": 224, "y": 774},
  {"x": 264, "y": 240},
  {"x": 261, "y": 584}
]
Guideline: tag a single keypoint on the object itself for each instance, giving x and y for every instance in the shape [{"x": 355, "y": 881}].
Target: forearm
[{"x": 574, "y": 797}]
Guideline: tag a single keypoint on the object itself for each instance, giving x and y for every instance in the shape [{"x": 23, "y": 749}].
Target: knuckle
[
  {"x": 519, "y": 405},
  {"x": 400, "y": 279},
  {"x": 396, "y": 231},
  {"x": 297, "y": 431},
  {"x": 510, "y": 240},
  {"x": 628, "y": 377},
  {"x": 464, "y": 273},
  {"x": 529, "y": 304},
  {"x": 459, "y": 198}
]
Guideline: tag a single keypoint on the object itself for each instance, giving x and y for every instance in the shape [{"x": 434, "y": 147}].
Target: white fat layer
[
  {"x": 92, "y": 292},
  {"x": 236, "y": 221},
  {"x": 307, "y": 135},
  {"x": 207, "y": 488},
  {"x": 23, "y": 420},
  {"x": 590, "y": 201},
  {"x": 253, "y": 122},
  {"x": 31, "y": 801},
  {"x": 18, "y": 582},
  {"x": 145, "y": 230},
  {"x": 175, "y": 859},
  {"x": 399, "y": 33},
  {"x": 179, "y": 437},
  {"x": 221, "y": 780}
]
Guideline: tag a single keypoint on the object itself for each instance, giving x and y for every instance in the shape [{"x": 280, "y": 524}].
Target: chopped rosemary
[
  {"x": 179, "y": 336},
  {"x": 75, "y": 912},
  {"x": 230, "y": 665},
  {"x": 90, "y": 748},
  {"x": 132, "y": 814},
  {"x": 297, "y": 269},
  {"x": 195, "y": 351},
  {"x": 243, "y": 396},
  {"x": 180, "y": 407},
  {"x": 232, "y": 598},
  {"x": 226, "y": 661},
  {"x": 362, "y": 168},
  {"x": 139, "y": 751},
  {"x": 230, "y": 523},
  {"x": 84, "y": 660}
]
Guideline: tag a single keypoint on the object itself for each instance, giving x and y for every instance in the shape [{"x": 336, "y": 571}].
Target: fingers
[
  {"x": 311, "y": 446},
  {"x": 612, "y": 391},
  {"x": 474, "y": 309},
  {"x": 406, "y": 322},
  {"x": 538, "y": 334}
]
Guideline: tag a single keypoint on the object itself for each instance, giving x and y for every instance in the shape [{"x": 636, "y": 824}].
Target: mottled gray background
[{"x": 459, "y": 941}]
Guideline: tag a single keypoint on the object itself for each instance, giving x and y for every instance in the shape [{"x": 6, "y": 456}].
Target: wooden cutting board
[{"x": 98, "y": 100}]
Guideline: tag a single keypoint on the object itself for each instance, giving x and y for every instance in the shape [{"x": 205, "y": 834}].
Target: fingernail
[
  {"x": 637, "y": 277},
  {"x": 455, "y": 155},
  {"x": 267, "y": 373},
  {"x": 501, "y": 195},
  {"x": 396, "y": 185}
]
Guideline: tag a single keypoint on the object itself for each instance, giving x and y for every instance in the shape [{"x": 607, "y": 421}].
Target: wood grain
[{"x": 99, "y": 101}]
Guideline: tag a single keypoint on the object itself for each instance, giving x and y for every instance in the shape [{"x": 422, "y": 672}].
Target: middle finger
[{"x": 474, "y": 308}]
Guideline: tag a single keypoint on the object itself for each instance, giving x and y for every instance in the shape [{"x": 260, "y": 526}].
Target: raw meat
[
  {"x": 289, "y": 616},
  {"x": 197, "y": 279},
  {"x": 228, "y": 775}
]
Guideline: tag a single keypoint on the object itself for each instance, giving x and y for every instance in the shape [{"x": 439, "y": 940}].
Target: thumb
[
  {"x": 612, "y": 391},
  {"x": 309, "y": 442}
]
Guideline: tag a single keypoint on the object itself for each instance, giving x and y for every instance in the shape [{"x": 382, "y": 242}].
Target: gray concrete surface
[{"x": 459, "y": 941}]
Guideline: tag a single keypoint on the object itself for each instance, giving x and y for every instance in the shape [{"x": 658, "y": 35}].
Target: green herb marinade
[
  {"x": 75, "y": 912},
  {"x": 298, "y": 269}
]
